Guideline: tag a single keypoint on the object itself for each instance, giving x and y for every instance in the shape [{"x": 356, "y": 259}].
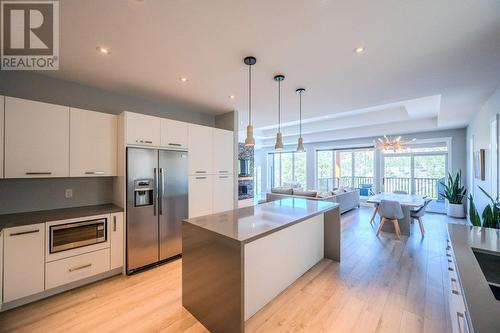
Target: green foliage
[
  {"x": 453, "y": 190},
  {"x": 475, "y": 219},
  {"x": 491, "y": 213}
]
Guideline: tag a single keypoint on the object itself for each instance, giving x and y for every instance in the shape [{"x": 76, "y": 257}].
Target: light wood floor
[{"x": 382, "y": 285}]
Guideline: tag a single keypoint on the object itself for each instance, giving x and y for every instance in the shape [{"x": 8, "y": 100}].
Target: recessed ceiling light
[
  {"x": 359, "y": 50},
  {"x": 103, "y": 50},
  {"x": 232, "y": 96},
  {"x": 183, "y": 79}
]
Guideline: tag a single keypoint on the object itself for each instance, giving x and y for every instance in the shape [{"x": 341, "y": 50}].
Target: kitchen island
[{"x": 235, "y": 262}]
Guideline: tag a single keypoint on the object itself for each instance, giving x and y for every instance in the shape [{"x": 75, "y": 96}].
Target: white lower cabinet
[
  {"x": 23, "y": 261},
  {"x": 210, "y": 194},
  {"x": 117, "y": 241},
  {"x": 200, "y": 195},
  {"x": 1, "y": 268},
  {"x": 223, "y": 193},
  {"x": 75, "y": 268}
]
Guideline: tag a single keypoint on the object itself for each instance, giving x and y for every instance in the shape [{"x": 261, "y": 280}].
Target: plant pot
[{"x": 455, "y": 210}]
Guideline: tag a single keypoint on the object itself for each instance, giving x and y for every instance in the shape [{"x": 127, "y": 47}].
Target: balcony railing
[
  {"x": 328, "y": 184},
  {"x": 422, "y": 186}
]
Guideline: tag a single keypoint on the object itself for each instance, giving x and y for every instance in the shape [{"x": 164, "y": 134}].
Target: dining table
[{"x": 408, "y": 202}]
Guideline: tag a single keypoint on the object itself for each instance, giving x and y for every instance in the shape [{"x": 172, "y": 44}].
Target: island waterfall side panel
[{"x": 212, "y": 279}]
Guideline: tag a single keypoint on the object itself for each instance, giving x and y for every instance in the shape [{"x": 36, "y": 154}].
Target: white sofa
[{"x": 347, "y": 200}]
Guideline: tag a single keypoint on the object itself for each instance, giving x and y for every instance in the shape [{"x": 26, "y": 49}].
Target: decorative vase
[{"x": 455, "y": 210}]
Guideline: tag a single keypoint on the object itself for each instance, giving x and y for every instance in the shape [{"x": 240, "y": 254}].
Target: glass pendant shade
[
  {"x": 279, "y": 141},
  {"x": 249, "y": 141}
]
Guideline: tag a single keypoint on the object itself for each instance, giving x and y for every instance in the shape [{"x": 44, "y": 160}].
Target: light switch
[{"x": 68, "y": 193}]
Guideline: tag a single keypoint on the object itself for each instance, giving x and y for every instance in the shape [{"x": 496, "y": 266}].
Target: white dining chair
[
  {"x": 417, "y": 215},
  {"x": 392, "y": 211}
]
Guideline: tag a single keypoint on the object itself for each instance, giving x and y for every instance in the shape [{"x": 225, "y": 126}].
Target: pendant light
[
  {"x": 250, "y": 140},
  {"x": 300, "y": 143},
  {"x": 279, "y": 136}
]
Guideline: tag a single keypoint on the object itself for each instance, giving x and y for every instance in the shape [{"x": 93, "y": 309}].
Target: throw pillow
[
  {"x": 282, "y": 190},
  {"x": 305, "y": 193}
]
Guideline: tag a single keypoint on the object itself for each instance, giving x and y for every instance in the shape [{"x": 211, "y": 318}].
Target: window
[
  {"x": 345, "y": 168},
  {"x": 419, "y": 169},
  {"x": 324, "y": 169},
  {"x": 287, "y": 169}
]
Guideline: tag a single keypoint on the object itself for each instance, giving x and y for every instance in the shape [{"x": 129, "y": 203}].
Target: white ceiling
[{"x": 427, "y": 63}]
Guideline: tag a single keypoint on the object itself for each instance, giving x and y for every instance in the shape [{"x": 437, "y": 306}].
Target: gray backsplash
[{"x": 26, "y": 195}]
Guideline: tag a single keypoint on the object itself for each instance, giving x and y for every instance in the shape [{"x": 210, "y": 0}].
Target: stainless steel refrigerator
[{"x": 157, "y": 201}]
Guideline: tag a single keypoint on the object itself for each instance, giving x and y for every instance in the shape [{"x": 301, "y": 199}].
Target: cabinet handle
[
  {"x": 32, "y": 173},
  {"x": 450, "y": 269},
  {"x": 200, "y": 177},
  {"x": 461, "y": 320},
  {"x": 114, "y": 223},
  {"x": 175, "y": 144},
  {"x": 223, "y": 176},
  {"x": 200, "y": 172},
  {"x": 454, "y": 290},
  {"x": 223, "y": 171},
  {"x": 144, "y": 141},
  {"x": 78, "y": 268},
  {"x": 24, "y": 232},
  {"x": 94, "y": 172}
]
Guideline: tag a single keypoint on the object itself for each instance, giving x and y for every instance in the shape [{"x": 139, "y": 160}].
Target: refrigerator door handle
[
  {"x": 160, "y": 194},
  {"x": 155, "y": 191}
]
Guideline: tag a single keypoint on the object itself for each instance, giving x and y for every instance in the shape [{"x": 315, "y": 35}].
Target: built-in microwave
[{"x": 63, "y": 237}]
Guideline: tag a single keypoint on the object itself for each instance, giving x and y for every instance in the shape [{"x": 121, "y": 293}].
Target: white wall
[
  {"x": 458, "y": 152},
  {"x": 479, "y": 130}
]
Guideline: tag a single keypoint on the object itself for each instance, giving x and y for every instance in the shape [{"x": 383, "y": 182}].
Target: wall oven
[{"x": 68, "y": 236}]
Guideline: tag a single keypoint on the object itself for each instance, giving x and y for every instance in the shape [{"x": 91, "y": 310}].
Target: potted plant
[
  {"x": 454, "y": 193},
  {"x": 491, "y": 213}
]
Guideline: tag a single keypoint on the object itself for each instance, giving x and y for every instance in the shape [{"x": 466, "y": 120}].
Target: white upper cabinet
[
  {"x": 93, "y": 143},
  {"x": 36, "y": 139},
  {"x": 223, "y": 151},
  {"x": 174, "y": 134},
  {"x": 200, "y": 149},
  {"x": 2, "y": 115},
  {"x": 142, "y": 130}
]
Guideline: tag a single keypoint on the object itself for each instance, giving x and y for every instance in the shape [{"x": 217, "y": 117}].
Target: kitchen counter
[
  {"x": 250, "y": 223},
  {"x": 235, "y": 262},
  {"x": 483, "y": 310},
  {"x": 19, "y": 219}
]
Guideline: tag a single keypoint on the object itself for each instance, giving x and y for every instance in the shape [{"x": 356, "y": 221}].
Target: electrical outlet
[{"x": 68, "y": 193}]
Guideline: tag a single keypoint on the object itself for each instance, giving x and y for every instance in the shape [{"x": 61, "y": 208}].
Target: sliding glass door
[
  {"x": 345, "y": 168},
  {"x": 418, "y": 171},
  {"x": 287, "y": 169}
]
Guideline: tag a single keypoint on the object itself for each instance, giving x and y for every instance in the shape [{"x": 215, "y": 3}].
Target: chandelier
[{"x": 395, "y": 145}]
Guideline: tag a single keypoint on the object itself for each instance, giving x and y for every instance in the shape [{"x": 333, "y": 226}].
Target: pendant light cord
[
  {"x": 250, "y": 94},
  {"x": 300, "y": 115},
  {"x": 279, "y": 106}
]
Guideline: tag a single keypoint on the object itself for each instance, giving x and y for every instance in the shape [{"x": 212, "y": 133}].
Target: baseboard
[{"x": 54, "y": 291}]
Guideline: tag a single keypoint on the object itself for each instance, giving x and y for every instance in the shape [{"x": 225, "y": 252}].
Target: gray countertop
[
  {"x": 482, "y": 307},
  {"x": 19, "y": 219},
  {"x": 250, "y": 223}
]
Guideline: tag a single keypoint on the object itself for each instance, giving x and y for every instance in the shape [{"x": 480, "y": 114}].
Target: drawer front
[{"x": 72, "y": 269}]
